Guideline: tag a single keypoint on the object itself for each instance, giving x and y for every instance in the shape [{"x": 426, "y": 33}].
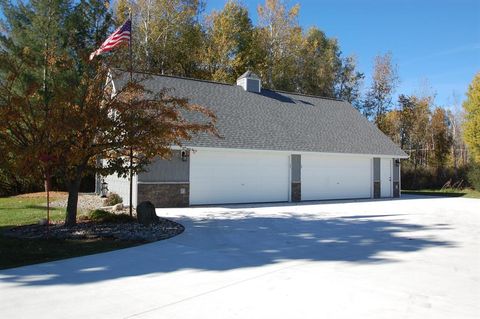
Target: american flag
[{"x": 121, "y": 35}]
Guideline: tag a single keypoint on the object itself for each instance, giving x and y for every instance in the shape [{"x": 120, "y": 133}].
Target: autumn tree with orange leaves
[{"x": 58, "y": 111}]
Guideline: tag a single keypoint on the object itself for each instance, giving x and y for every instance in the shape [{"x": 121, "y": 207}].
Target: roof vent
[{"x": 250, "y": 82}]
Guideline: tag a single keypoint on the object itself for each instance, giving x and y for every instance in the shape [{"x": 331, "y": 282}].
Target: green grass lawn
[
  {"x": 470, "y": 193},
  {"x": 15, "y": 211}
]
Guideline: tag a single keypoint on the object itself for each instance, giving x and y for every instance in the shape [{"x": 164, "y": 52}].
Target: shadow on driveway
[{"x": 239, "y": 239}]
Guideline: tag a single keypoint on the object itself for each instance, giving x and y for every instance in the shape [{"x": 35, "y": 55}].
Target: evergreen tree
[{"x": 349, "y": 82}]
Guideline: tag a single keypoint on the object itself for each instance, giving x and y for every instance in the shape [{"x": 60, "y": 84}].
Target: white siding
[
  {"x": 386, "y": 177},
  {"x": 218, "y": 177},
  {"x": 335, "y": 177},
  {"x": 121, "y": 186}
]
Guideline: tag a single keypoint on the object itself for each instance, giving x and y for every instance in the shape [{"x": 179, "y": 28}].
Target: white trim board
[{"x": 222, "y": 149}]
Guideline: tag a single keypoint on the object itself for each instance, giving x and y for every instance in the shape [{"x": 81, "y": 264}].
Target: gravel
[
  {"x": 85, "y": 202},
  {"x": 133, "y": 231},
  {"x": 86, "y": 229}
]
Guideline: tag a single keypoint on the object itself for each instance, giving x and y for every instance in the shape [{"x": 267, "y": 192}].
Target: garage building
[{"x": 274, "y": 147}]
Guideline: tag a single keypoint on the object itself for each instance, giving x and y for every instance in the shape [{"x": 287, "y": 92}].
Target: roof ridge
[
  {"x": 307, "y": 95},
  {"x": 180, "y": 77},
  {"x": 232, "y": 84}
]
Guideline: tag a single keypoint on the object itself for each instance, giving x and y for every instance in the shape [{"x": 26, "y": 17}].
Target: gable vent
[{"x": 250, "y": 82}]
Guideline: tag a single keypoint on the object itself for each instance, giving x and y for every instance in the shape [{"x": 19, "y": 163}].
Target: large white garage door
[
  {"x": 218, "y": 177},
  {"x": 335, "y": 177}
]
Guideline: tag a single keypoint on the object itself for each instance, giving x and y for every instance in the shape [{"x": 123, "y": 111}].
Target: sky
[{"x": 435, "y": 43}]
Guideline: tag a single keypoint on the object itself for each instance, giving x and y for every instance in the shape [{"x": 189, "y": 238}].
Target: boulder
[{"x": 146, "y": 213}]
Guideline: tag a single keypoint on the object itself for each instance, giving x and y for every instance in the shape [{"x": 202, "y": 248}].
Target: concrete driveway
[{"x": 409, "y": 258}]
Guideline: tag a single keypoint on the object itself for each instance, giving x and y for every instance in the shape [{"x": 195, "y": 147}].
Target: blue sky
[{"x": 434, "y": 43}]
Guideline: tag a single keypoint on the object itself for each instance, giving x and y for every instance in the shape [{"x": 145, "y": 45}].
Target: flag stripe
[{"x": 121, "y": 35}]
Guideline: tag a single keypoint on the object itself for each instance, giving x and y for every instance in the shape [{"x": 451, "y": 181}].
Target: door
[
  {"x": 386, "y": 177},
  {"x": 220, "y": 177},
  {"x": 335, "y": 177}
]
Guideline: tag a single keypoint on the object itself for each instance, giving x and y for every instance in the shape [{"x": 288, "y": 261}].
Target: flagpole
[
  {"x": 131, "y": 44},
  {"x": 131, "y": 81}
]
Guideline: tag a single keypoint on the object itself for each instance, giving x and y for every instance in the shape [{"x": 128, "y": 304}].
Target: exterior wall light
[
  {"x": 184, "y": 155},
  {"x": 397, "y": 162},
  {"x": 104, "y": 189}
]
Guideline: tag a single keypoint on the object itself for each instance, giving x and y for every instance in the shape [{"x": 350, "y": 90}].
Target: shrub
[
  {"x": 99, "y": 215},
  {"x": 474, "y": 176},
  {"x": 102, "y": 216},
  {"x": 432, "y": 178},
  {"x": 113, "y": 199}
]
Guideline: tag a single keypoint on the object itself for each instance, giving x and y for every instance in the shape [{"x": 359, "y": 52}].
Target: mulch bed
[{"x": 131, "y": 231}]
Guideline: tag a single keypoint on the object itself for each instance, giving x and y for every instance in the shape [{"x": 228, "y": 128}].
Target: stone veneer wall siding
[
  {"x": 376, "y": 177},
  {"x": 396, "y": 189},
  {"x": 396, "y": 178},
  {"x": 296, "y": 192},
  {"x": 296, "y": 175},
  {"x": 166, "y": 183},
  {"x": 165, "y": 194}
]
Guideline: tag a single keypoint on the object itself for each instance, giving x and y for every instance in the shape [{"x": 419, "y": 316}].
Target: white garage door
[
  {"x": 218, "y": 177},
  {"x": 335, "y": 177}
]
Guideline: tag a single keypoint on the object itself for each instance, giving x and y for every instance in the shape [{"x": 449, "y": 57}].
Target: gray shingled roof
[{"x": 273, "y": 120}]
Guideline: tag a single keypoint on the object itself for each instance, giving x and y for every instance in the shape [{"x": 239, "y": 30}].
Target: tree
[
  {"x": 229, "y": 43},
  {"x": 122, "y": 11},
  {"x": 319, "y": 64},
  {"x": 279, "y": 39},
  {"x": 379, "y": 96},
  {"x": 456, "y": 118},
  {"x": 83, "y": 119},
  {"x": 35, "y": 33},
  {"x": 170, "y": 39},
  {"x": 471, "y": 126},
  {"x": 441, "y": 138},
  {"x": 413, "y": 127},
  {"x": 167, "y": 35},
  {"x": 408, "y": 108},
  {"x": 349, "y": 82},
  {"x": 390, "y": 124}
]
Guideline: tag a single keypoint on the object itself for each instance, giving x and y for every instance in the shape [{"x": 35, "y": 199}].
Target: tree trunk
[
  {"x": 47, "y": 184},
  {"x": 71, "y": 214}
]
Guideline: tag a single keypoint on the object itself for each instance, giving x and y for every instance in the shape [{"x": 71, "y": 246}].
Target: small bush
[
  {"x": 113, "y": 199},
  {"x": 102, "y": 216},
  {"x": 99, "y": 215},
  {"x": 474, "y": 176}
]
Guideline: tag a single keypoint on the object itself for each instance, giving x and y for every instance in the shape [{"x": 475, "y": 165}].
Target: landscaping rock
[
  {"x": 85, "y": 202},
  {"x": 163, "y": 229},
  {"x": 117, "y": 207},
  {"x": 146, "y": 213}
]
